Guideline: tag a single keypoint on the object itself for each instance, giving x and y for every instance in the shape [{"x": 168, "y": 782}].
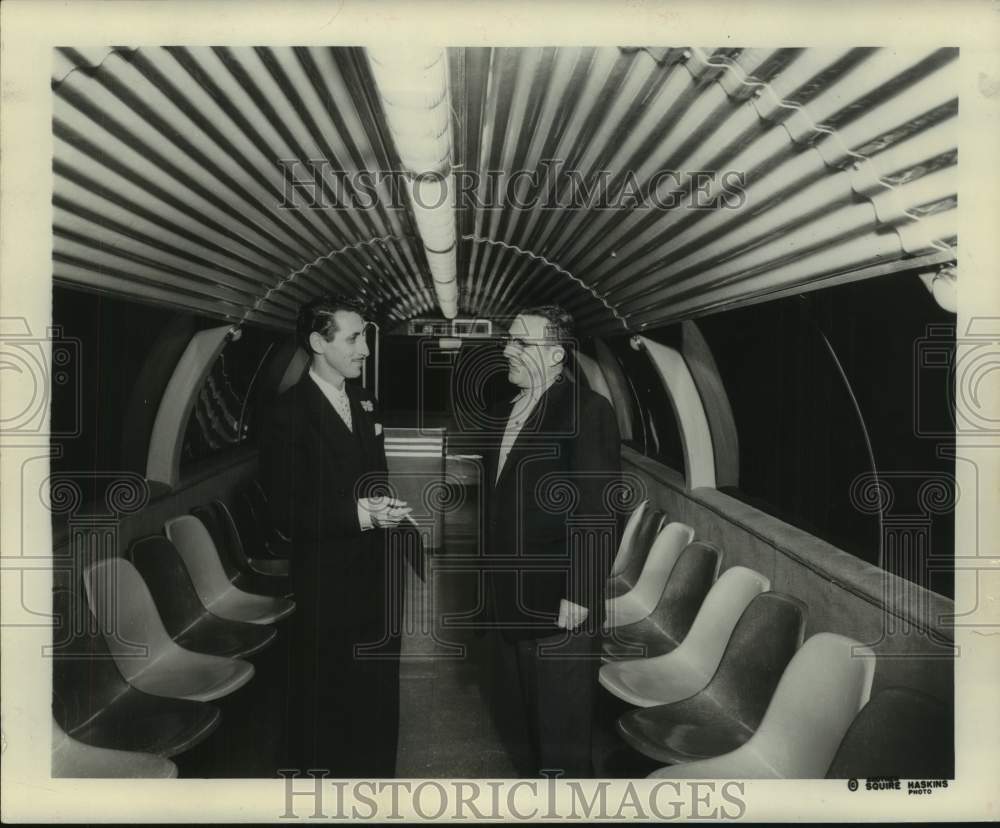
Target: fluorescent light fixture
[
  {"x": 434, "y": 209},
  {"x": 413, "y": 86}
]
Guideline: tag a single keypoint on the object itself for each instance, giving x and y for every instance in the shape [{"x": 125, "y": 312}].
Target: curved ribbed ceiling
[{"x": 171, "y": 168}]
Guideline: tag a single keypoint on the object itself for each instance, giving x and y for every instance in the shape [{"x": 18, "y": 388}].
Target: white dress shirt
[{"x": 524, "y": 404}]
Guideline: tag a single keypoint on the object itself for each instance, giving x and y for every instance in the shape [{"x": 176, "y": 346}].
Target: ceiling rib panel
[
  {"x": 794, "y": 123},
  {"x": 173, "y": 171},
  {"x": 172, "y": 183}
]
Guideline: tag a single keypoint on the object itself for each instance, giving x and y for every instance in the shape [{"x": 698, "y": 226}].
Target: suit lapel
[
  {"x": 332, "y": 428},
  {"x": 362, "y": 427},
  {"x": 544, "y": 418},
  {"x": 501, "y": 417}
]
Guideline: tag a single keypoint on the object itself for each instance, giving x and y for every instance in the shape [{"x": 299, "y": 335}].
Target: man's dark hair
[
  {"x": 560, "y": 326},
  {"x": 318, "y": 316}
]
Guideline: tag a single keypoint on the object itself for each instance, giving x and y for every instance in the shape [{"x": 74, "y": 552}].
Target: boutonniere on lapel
[{"x": 366, "y": 405}]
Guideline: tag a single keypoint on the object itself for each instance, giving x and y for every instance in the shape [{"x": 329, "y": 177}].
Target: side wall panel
[
  {"x": 844, "y": 595},
  {"x": 217, "y": 481}
]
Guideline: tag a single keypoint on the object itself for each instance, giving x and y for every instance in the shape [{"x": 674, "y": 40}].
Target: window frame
[{"x": 689, "y": 412}]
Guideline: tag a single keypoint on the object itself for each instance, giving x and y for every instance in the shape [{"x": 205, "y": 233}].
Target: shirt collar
[{"x": 327, "y": 386}]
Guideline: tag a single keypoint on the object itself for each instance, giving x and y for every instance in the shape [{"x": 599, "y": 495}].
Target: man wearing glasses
[{"x": 549, "y": 537}]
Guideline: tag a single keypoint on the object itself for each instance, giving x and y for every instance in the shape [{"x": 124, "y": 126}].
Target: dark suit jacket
[
  {"x": 551, "y": 528},
  {"x": 315, "y": 470}
]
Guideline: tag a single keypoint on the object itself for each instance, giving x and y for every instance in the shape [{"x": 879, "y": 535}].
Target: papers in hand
[{"x": 385, "y": 512}]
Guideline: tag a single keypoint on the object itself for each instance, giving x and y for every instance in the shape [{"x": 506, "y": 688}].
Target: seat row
[
  {"x": 152, "y": 638},
  {"x": 724, "y": 683}
]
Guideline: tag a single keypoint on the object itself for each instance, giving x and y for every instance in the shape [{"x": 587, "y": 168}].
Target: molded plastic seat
[
  {"x": 625, "y": 545},
  {"x": 682, "y": 672},
  {"x": 95, "y": 705},
  {"x": 185, "y": 618},
  {"x": 218, "y": 595},
  {"x": 234, "y": 563},
  {"x": 641, "y": 530},
  {"x": 259, "y": 511},
  {"x": 825, "y": 685},
  {"x": 642, "y": 599},
  {"x": 274, "y": 567},
  {"x": 251, "y": 531},
  {"x": 900, "y": 733},
  {"x": 689, "y": 582},
  {"x": 723, "y": 715},
  {"x": 72, "y": 759},
  {"x": 141, "y": 647}
]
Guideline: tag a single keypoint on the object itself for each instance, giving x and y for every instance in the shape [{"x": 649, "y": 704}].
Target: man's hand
[
  {"x": 571, "y": 615},
  {"x": 383, "y": 512}
]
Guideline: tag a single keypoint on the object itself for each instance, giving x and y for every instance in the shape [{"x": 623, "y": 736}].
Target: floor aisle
[{"x": 445, "y": 727}]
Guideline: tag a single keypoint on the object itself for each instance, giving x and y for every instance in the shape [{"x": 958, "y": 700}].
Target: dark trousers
[
  {"x": 543, "y": 695},
  {"x": 343, "y": 703}
]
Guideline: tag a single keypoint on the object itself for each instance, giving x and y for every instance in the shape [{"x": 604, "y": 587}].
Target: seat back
[
  {"x": 167, "y": 579},
  {"x": 209, "y": 517},
  {"x": 126, "y": 615},
  {"x": 264, "y": 514},
  {"x": 229, "y": 532},
  {"x": 690, "y": 580},
  {"x": 85, "y": 679},
  {"x": 900, "y": 733},
  {"x": 633, "y": 558},
  {"x": 628, "y": 533},
  {"x": 74, "y": 759},
  {"x": 764, "y": 641},
  {"x": 250, "y": 525},
  {"x": 257, "y": 497},
  {"x": 191, "y": 538},
  {"x": 666, "y": 549},
  {"x": 825, "y": 685},
  {"x": 726, "y": 601}
]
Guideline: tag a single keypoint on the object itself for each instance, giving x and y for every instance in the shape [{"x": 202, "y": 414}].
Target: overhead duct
[{"x": 413, "y": 87}]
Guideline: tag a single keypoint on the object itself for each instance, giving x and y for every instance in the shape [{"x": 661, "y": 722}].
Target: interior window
[
  {"x": 224, "y": 413},
  {"x": 823, "y": 394},
  {"x": 655, "y": 430},
  {"x": 622, "y": 395}
]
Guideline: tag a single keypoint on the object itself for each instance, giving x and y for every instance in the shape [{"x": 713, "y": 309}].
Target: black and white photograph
[{"x": 552, "y": 413}]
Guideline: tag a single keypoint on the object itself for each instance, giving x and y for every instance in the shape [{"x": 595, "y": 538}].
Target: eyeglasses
[{"x": 523, "y": 344}]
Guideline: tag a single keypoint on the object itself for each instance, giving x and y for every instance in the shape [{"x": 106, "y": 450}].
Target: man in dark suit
[
  {"x": 549, "y": 537},
  {"x": 324, "y": 465}
]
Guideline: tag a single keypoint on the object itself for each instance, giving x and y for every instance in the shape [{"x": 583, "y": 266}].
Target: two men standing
[{"x": 549, "y": 534}]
